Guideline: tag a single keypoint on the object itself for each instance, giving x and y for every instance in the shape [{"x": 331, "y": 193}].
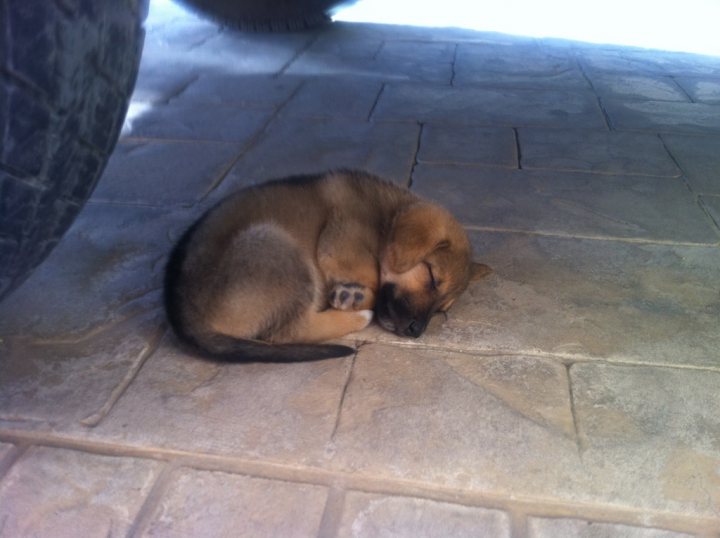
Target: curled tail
[{"x": 230, "y": 349}]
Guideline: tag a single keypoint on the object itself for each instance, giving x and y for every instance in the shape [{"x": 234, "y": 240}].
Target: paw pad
[{"x": 347, "y": 296}]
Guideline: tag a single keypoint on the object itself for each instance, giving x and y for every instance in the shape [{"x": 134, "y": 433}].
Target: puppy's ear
[
  {"x": 416, "y": 232},
  {"x": 479, "y": 270}
]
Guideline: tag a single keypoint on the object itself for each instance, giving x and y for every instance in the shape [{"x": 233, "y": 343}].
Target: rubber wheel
[
  {"x": 67, "y": 70},
  {"x": 266, "y": 15}
]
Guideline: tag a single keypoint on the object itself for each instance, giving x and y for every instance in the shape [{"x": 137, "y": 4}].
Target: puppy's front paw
[{"x": 350, "y": 296}]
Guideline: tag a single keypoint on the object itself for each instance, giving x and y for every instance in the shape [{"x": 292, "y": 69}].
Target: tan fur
[{"x": 304, "y": 260}]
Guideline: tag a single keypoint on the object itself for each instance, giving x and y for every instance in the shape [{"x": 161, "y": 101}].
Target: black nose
[{"x": 414, "y": 329}]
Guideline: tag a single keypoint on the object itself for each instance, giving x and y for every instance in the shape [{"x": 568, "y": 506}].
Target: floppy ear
[
  {"x": 479, "y": 270},
  {"x": 416, "y": 232}
]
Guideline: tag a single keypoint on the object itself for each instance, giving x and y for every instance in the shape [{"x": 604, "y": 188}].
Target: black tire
[
  {"x": 266, "y": 15},
  {"x": 67, "y": 70}
]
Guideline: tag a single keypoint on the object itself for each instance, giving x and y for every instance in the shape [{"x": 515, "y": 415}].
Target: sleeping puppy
[{"x": 276, "y": 268}]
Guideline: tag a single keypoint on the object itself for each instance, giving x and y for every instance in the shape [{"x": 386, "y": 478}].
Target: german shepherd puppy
[{"x": 276, "y": 268}]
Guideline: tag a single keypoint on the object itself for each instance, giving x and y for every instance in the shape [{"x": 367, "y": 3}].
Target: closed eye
[{"x": 433, "y": 283}]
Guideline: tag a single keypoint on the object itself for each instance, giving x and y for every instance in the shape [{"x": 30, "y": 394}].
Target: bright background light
[{"x": 690, "y": 25}]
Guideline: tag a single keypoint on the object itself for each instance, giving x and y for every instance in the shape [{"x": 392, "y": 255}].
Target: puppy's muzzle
[{"x": 395, "y": 314}]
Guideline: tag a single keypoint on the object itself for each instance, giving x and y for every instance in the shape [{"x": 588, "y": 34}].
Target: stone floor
[{"x": 572, "y": 393}]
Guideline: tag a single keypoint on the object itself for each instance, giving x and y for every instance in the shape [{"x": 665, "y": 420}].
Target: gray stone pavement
[{"x": 572, "y": 393}]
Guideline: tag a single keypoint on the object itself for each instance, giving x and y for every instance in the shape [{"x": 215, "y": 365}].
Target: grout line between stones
[
  {"x": 247, "y": 146},
  {"x": 518, "y": 152},
  {"x": 698, "y": 199},
  {"x": 518, "y": 524},
  {"x": 376, "y": 101},
  {"x": 374, "y": 484},
  {"x": 348, "y": 378},
  {"x": 606, "y": 117},
  {"x": 418, "y": 142},
  {"x": 561, "y": 235},
  {"x": 332, "y": 513},
  {"x": 682, "y": 89},
  {"x": 14, "y": 454},
  {"x": 95, "y": 418},
  {"x": 302, "y": 50},
  {"x": 152, "y": 501},
  {"x": 556, "y": 356},
  {"x": 571, "y": 397}
]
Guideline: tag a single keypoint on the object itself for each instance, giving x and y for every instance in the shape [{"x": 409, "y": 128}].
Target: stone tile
[
  {"x": 702, "y": 90},
  {"x": 292, "y": 146},
  {"x": 418, "y": 60},
  {"x": 637, "y": 87},
  {"x": 493, "y": 424},
  {"x": 619, "y": 60},
  {"x": 276, "y": 412},
  {"x": 664, "y": 116},
  {"x": 712, "y": 205},
  {"x": 681, "y": 63},
  {"x": 335, "y": 98},
  {"x": 155, "y": 85},
  {"x": 178, "y": 121},
  {"x": 369, "y": 57},
  {"x": 653, "y": 426},
  {"x": 241, "y": 90},
  {"x": 107, "y": 269},
  {"x": 5, "y": 449},
  {"x": 470, "y": 145},
  {"x": 577, "y": 528},
  {"x": 233, "y": 52},
  {"x": 51, "y": 492},
  {"x": 571, "y": 79},
  {"x": 56, "y": 384},
  {"x": 699, "y": 159},
  {"x": 567, "y": 203},
  {"x": 182, "y": 171},
  {"x": 603, "y": 152},
  {"x": 489, "y": 107},
  {"x": 197, "y": 503},
  {"x": 516, "y": 65},
  {"x": 618, "y": 301},
  {"x": 376, "y": 515}
]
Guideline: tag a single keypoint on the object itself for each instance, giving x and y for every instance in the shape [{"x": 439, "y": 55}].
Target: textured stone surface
[
  {"x": 376, "y": 516},
  {"x": 576, "y": 528},
  {"x": 376, "y": 58},
  {"x": 51, "y": 492},
  {"x": 640, "y": 87},
  {"x": 646, "y": 303},
  {"x": 712, "y": 204},
  {"x": 197, "y": 122},
  {"x": 499, "y": 107},
  {"x": 335, "y": 98},
  {"x": 702, "y": 90},
  {"x": 107, "y": 269},
  {"x": 183, "y": 171},
  {"x": 479, "y": 412},
  {"x": 699, "y": 159},
  {"x": 652, "y": 426},
  {"x": 511, "y": 428},
  {"x": 293, "y": 146},
  {"x": 471, "y": 145},
  {"x": 271, "y": 411},
  {"x": 664, "y": 116},
  {"x": 249, "y": 91},
  {"x": 567, "y": 203},
  {"x": 57, "y": 384},
  {"x": 515, "y": 66},
  {"x": 600, "y": 152},
  {"x": 202, "y": 503}
]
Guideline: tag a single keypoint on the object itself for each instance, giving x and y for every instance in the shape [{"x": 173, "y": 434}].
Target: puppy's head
[{"x": 425, "y": 265}]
